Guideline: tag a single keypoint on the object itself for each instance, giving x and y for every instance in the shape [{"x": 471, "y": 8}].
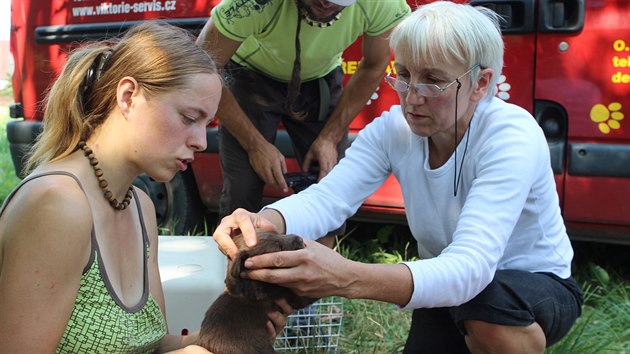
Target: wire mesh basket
[{"x": 313, "y": 329}]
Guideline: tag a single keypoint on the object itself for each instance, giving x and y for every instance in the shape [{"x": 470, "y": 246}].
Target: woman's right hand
[{"x": 241, "y": 221}]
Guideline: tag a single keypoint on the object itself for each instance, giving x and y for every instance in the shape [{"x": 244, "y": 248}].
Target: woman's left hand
[{"x": 315, "y": 271}]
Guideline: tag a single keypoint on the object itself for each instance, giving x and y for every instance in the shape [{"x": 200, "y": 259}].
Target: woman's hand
[
  {"x": 278, "y": 319},
  {"x": 315, "y": 271},
  {"x": 242, "y": 221}
]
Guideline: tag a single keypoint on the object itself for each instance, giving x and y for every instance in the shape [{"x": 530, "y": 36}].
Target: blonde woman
[{"x": 78, "y": 242}]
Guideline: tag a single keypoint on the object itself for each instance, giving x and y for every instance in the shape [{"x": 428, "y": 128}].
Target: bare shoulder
[{"x": 45, "y": 207}]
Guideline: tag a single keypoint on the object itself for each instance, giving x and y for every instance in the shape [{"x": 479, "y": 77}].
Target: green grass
[{"x": 8, "y": 179}]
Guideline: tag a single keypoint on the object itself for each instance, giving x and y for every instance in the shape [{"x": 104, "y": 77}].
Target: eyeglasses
[{"x": 426, "y": 90}]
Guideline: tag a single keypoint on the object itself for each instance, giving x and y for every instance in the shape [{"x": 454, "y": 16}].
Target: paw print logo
[
  {"x": 607, "y": 117},
  {"x": 503, "y": 88},
  {"x": 374, "y": 96}
]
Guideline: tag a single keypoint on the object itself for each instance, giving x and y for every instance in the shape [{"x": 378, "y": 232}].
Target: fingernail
[{"x": 248, "y": 263}]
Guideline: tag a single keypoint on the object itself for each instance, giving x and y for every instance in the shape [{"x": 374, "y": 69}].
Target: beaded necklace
[
  {"x": 107, "y": 193},
  {"x": 314, "y": 23}
]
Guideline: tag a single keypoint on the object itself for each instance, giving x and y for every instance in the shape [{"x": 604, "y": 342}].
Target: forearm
[
  {"x": 390, "y": 283},
  {"x": 236, "y": 121},
  {"x": 276, "y": 218},
  {"x": 355, "y": 94},
  {"x": 221, "y": 48}
]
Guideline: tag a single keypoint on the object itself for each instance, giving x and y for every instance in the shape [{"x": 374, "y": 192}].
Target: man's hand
[
  {"x": 324, "y": 151},
  {"x": 270, "y": 165}
]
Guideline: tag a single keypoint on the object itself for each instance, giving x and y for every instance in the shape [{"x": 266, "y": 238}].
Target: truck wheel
[{"x": 178, "y": 208}]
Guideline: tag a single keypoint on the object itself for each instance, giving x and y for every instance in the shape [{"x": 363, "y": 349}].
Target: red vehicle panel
[{"x": 566, "y": 61}]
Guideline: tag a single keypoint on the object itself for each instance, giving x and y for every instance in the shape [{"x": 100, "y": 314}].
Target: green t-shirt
[{"x": 267, "y": 32}]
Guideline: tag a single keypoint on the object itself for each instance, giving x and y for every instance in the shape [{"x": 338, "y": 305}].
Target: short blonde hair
[{"x": 450, "y": 33}]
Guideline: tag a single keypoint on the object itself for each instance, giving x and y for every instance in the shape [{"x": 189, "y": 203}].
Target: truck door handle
[
  {"x": 561, "y": 16},
  {"x": 518, "y": 15}
]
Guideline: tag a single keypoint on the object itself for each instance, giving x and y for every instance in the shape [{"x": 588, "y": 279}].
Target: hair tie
[
  {"x": 104, "y": 58},
  {"x": 92, "y": 75}
]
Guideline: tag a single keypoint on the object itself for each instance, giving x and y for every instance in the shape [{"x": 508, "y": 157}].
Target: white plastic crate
[{"x": 193, "y": 274}]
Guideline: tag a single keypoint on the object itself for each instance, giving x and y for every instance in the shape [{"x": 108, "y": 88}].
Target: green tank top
[{"x": 100, "y": 322}]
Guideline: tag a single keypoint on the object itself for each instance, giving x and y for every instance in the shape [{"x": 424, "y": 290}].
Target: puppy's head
[{"x": 268, "y": 242}]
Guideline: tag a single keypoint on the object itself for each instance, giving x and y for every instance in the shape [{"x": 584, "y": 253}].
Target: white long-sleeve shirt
[{"x": 506, "y": 214}]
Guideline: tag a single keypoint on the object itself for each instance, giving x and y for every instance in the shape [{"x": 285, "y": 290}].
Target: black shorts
[{"x": 513, "y": 298}]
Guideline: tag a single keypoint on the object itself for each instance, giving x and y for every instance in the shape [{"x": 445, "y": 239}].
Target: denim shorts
[{"x": 513, "y": 298}]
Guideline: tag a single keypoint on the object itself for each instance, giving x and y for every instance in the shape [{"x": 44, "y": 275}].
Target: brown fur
[{"x": 236, "y": 322}]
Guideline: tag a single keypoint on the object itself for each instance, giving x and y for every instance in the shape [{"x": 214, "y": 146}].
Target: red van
[{"x": 566, "y": 61}]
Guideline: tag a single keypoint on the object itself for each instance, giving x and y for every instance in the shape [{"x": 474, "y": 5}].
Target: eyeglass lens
[{"x": 428, "y": 90}]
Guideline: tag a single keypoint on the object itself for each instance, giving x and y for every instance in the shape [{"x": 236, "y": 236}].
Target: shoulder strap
[
  {"x": 145, "y": 244},
  {"x": 145, "y": 236}
]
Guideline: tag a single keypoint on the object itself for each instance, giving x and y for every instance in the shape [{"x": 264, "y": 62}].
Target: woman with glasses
[{"x": 480, "y": 198}]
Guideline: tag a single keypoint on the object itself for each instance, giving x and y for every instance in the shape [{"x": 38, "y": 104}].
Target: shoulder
[
  {"x": 244, "y": 8},
  {"x": 388, "y": 6},
  {"x": 54, "y": 199},
  {"x": 382, "y": 15},
  {"x": 509, "y": 130},
  {"x": 390, "y": 130},
  {"x": 498, "y": 115},
  {"x": 48, "y": 217},
  {"x": 239, "y": 13}
]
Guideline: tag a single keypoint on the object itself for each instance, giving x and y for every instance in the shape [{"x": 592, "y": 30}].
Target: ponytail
[{"x": 66, "y": 102}]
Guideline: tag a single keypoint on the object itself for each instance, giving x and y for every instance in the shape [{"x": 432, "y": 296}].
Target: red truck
[{"x": 566, "y": 61}]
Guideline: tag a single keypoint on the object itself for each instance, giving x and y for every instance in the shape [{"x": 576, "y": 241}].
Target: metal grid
[{"x": 313, "y": 329}]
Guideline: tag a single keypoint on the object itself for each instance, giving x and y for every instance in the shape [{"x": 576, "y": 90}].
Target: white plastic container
[{"x": 193, "y": 274}]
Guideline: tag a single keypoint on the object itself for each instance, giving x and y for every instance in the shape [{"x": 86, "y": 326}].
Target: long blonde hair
[{"x": 161, "y": 57}]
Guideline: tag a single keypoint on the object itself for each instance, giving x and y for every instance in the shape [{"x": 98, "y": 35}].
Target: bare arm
[
  {"x": 45, "y": 243},
  {"x": 376, "y": 56},
  {"x": 265, "y": 158}
]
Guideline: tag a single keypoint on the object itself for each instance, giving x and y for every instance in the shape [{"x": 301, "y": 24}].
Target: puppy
[{"x": 236, "y": 322}]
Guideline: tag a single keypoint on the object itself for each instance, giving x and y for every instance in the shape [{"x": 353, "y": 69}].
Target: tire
[{"x": 178, "y": 207}]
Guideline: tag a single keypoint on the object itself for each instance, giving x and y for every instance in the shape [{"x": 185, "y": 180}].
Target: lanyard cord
[{"x": 457, "y": 177}]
